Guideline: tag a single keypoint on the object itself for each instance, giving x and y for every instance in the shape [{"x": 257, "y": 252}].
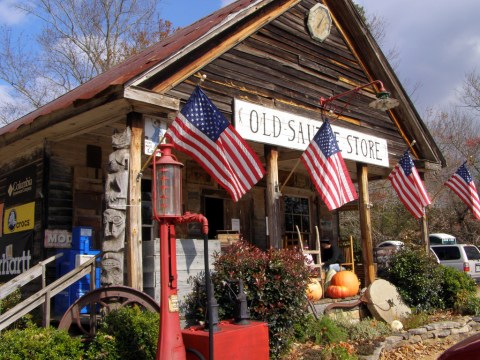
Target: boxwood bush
[
  {"x": 126, "y": 333},
  {"x": 39, "y": 344},
  {"x": 418, "y": 279},
  {"x": 456, "y": 283}
]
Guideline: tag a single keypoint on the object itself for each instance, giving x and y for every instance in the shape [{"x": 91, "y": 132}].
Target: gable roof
[
  {"x": 138, "y": 69},
  {"x": 144, "y": 61}
]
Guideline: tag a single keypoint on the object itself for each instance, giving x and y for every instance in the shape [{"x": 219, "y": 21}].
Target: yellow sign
[{"x": 19, "y": 218}]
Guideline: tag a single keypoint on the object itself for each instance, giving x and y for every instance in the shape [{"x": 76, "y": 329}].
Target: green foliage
[
  {"x": 456, "y": 282},
  {"x": 322, "y": 332},
  {"x": 274, "y": 282},
  {"x": 418, "y": 279},
  {"x": 467, "y": 303},
  {"x": 39, "y": 344},
  {"x": 126, "y": 333},
  {"x": 10, "y": 301},
  {"x": 338, "y": 351},
  {"x": 366, "y": 329},
  {"x": 103, "y": 347},
  {"x": 415, "y": 320}
]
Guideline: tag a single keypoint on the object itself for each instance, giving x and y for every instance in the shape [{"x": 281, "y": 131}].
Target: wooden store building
[{"x": 266, "y": 64}]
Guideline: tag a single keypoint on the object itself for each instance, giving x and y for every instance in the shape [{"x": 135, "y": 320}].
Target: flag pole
[
  {"x": 140, "y": 174},
  {"x": 290, "y": 175},
  {"x": 469, "y": 161}
]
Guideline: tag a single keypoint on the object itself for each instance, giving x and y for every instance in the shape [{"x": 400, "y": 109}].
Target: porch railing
[{"x": 44, "y": 295}]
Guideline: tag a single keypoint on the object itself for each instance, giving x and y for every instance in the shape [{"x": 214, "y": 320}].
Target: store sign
[
  {"x": 19, "y": 218},
  {"x": 21, "y": 186},
  {"x": 15, "y": 255},
  {"x": 269, "y": 126},
  {"x": 58, "y": 239}
]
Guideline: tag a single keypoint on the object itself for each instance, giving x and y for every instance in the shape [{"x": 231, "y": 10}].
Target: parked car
[
  {"x": 442, "y": 239},
  {"x": 395, "y": 243},
  {"x": 463, "y": 257}
]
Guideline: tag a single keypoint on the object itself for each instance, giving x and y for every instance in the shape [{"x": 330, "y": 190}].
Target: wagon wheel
[{"x": 104, "y": 300}]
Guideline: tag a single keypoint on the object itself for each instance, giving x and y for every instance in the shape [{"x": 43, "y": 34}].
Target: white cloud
[
  {"x": 9, "y": 13},
  {"x": 226, "y": 2}
]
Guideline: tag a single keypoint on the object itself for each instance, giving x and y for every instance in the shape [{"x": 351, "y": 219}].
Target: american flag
[
  {"x": 324, "y": 162},
  {"x": 462, "y": 184},
  {"x": 409, "y": 187},
  {"x": 202, "y": 131}
]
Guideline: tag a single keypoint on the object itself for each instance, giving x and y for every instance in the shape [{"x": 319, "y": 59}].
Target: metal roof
[{"x": 138, "y": 64}]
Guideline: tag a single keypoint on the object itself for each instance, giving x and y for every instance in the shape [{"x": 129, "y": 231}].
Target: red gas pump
[
  {"x": 238, "y": 340},
  {"x": 167, "y": 204}
]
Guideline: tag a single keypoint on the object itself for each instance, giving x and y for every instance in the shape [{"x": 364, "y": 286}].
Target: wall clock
[{"x": 319, "y": 22}]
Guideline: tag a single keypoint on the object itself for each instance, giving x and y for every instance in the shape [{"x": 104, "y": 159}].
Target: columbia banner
[{"x": 21, "y": 186}]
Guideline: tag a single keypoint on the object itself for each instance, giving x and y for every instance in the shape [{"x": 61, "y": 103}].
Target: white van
[
  {"x": 442, "y": 239},
  {"x": 463, "y": 257}
]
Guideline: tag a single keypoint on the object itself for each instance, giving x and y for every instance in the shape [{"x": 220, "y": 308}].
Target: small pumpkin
[
  {"x": 344, "y": 279},
  {"x": 314, "y": 290}
]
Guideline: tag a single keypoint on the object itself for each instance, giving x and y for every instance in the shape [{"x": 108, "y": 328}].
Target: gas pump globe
[{"x": 167, "y": 183}]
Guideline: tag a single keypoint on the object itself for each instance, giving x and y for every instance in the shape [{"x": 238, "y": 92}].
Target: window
[
  {"x": 472, "y": 252},
  {"x": 297, "y": 213},
  {"x": 447, "y": 253}
]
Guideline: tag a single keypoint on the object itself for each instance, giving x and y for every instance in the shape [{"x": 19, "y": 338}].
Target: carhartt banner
[
  {"x": 19, "y": 218},
  {"x": 21, "y": 186},
  {"x": 15, "y": 254}
]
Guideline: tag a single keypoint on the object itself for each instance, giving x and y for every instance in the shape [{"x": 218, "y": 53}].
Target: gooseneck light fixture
[{"x": 382, "y": 102}]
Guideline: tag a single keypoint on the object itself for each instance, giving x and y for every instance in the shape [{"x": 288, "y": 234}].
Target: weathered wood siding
[
  {"x": 190, "y": 262},
  {"x": 282, "y": 67}
]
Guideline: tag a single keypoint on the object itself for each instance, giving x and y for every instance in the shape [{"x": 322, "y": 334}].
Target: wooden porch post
[
  {"x": 134, "y": 225},
  {"x": 365, "y": 223},
  {"x": 424, "y": 225},
  {"x": 272, "y": 205}
]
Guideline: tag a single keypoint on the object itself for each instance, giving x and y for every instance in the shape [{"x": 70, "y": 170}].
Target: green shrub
[
  {"x": 338, "y": 351},
  {"x": 10, "y": 301},
  {"x": 321, "y": 332},
  {"x": 366, "y": 329},
  {"x": 467, "y": 303},
  {"x": 126, "y": 333},
  {"x": 39, "y": 344},
  {"x": 274, "y": 282},
  {"x": 418, "y": 279},
  {"x": 456, "y": 282},
  {"x": 415, "y": 320}
]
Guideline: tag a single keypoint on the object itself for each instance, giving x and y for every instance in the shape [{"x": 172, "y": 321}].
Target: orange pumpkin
[
  {"x": 314, "y": 290},
  {"x": 337, "y": 291},
  {"x": 347, "y": 279}
]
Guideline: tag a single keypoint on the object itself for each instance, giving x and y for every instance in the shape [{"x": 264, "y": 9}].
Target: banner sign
[
  {"x": 21, "y": 186},
  {"x": 19, "y": 218},
  {"x": 58, "y": 239},
  {"x": 269, "y": 126},
  {"x": 15, "y": 256}
]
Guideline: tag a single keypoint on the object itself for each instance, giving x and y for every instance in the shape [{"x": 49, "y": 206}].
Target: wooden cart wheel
[{"x": 103, "y": 300}]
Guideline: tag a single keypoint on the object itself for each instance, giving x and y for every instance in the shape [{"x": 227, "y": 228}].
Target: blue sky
[{"x": 438, "y": 41}]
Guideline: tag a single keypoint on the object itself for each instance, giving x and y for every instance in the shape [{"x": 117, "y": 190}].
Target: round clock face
[{"x": 319, "y": 22}]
